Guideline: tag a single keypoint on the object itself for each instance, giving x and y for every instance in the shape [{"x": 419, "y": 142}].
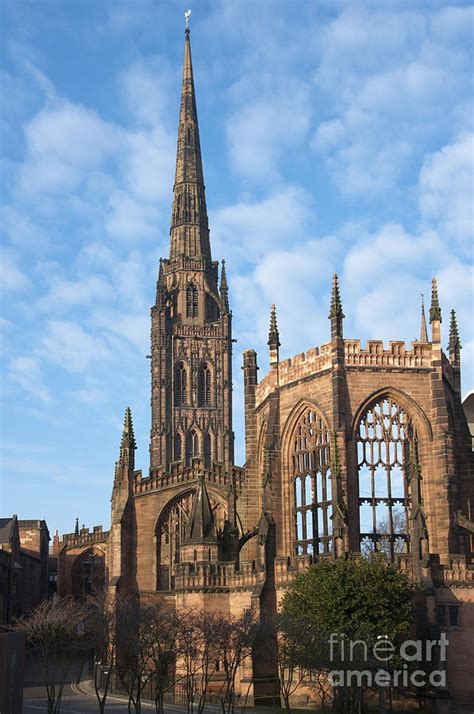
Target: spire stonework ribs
[{"x": 189, "y": 231}]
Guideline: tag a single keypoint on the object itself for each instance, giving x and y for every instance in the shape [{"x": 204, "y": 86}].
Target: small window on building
[
  {"x": 454, "y": 615},
  {"x": 440, "y": 615}
]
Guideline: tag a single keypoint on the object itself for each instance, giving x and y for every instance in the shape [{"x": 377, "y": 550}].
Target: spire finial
[
  {"x": 273, "y": 334},
  {"x": 336, "y": 305},
  {"x": 454, "y": 341},
  {"x": 187, "y": 15},
  {"x": 224, "y": 289},
  {"x": 128, "y": 437},
  {"x": 76, "y": 529},
  {"x": 423, "y": 328},
  {"x": 435, "y": 310}
]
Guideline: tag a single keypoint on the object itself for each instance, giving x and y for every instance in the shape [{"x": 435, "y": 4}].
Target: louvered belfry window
[
  {"x": 204, "y": 386},
  {"x": 191, "y": 301},
  {"x": 181, "y": 385}
]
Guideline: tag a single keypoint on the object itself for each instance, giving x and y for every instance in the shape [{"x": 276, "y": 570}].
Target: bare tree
[
  {"x": 54, "y": 632},
  {"x": 134, "y": 637},
  {"x": 189, "y": 646},
  {"x": 164, "y": 630},
  {"x": 208, "y": 633},
  {"x": 237, "y": 635},
  {"x": 102, "y": 618}
]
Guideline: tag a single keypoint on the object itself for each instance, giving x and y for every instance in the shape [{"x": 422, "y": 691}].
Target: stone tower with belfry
[{"x": 348, "y": 449}]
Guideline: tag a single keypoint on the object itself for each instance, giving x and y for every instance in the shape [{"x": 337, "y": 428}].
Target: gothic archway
[
  {"x": 88, "y": 573},
  {"x": 170, "y": 532}
]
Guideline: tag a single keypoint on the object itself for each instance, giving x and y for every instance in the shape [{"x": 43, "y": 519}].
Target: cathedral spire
[
  {"x": 423, "y": 328},
  {"x": 189, "y": 225},
  {"x": 200, "y": 525}
]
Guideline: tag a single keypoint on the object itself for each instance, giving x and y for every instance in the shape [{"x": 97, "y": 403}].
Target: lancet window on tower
[
  {"x": 192, "y": 446},
  {"x": 312, "y": 486},
  {"x": 181, "y": 385},
  {"x": 385, "y": 443},
  {"x": 204, "y": 386},
  {"x": 191, "y": 301}
]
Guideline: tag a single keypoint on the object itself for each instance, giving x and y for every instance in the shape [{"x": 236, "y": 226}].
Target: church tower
[{"x": 191, "y": 332}]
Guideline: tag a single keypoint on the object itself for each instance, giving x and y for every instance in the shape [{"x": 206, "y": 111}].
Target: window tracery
[
  {"x": 171, "y": 532},
  {"x": 386, "y": 442},
  {"x": 312, "y": 485}
]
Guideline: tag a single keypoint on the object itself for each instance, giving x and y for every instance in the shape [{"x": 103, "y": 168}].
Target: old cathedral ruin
[{"x": 348, "y": 448}]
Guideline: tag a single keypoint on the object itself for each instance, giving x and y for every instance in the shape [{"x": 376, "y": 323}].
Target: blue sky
[{"x": 336, "y": 136}]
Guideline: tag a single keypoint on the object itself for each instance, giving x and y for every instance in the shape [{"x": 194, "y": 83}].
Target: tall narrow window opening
[
  {"x": 181, "y": 385},
  {"x": 192, "y": 446},
  {"x": 312, "y": 486},
  {"x": 385, "y": 441},
  {"x": 207, "y": 451},
  {"x": 191, "y": 301},
  {"x": 204, "y": 386},
  {"x": 177, "y": 447}
]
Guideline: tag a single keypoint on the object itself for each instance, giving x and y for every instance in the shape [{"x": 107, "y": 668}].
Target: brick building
[
  {"x": 348, "y": 448},
  {"x": 24, "y": 547}
]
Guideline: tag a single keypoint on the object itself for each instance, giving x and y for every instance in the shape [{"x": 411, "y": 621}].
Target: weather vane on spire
[{"x": 187, "y": 15}]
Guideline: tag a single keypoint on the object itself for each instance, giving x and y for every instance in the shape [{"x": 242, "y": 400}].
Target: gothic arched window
[
  {"x": 170, "y": 532},
  {"x": 385, "y": 443},
  {"x": 204, "y": 386},
  {"x": 312, "y": 486},
  {"x": 191, "y": 301},
  {"x": 88, "y": 574},
  {"x": 192, "y": 446},
  {"x": 180, "y": 385}
]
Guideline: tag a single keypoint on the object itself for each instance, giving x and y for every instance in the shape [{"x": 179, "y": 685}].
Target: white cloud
[
  {"x": 246, "y": 229},
  {"x": 146, "y": 87},
  {"x": 260, "y": 132},
  {"x": 391, "y": 86},
  {"x": 68, "y": 345},
  {"x": 12, "y": 278},
  {"x": 22, "y": 231},
  {"x": 64, "y": 141},
  {"x": 65, "y": 294},
  {"x": 446, "y": 189},
  {"x": 26, "y": 372}
]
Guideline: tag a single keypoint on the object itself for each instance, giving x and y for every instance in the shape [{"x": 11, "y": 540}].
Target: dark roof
[{"x": 6, "y": 529}]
